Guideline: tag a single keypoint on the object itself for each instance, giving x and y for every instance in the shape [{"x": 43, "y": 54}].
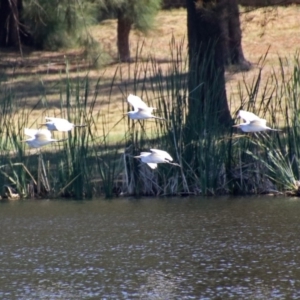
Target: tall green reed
[
  {"x": 279, "y": 152},
  {"x": 13, "y": 169},
  {"x": 94, "y": 160},
  {"x": 84, "y": 157},
  {"x": 215, "y": 160},
  {"x": 168, "y": 91},
  {"x": 69, "y": 168}
]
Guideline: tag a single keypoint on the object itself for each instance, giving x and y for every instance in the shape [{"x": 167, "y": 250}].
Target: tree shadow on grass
[{"x": 45, "y": 76}]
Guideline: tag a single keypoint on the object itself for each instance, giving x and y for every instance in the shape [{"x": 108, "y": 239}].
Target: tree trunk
[
  {"x": 232, "y": 36},
  {"x": 207, "y": 94},
  {"x": 123, "y": 30}
]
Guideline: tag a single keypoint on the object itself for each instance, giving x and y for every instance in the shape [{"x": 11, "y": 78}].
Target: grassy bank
[{"x": 93, "y": 161}]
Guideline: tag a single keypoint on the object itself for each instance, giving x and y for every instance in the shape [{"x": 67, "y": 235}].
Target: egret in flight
[
  {"x": 58, "y": 124},
  {"x": 38, "y": 137},
  {"x": 156, "y": 157},
  {"x": 141, "y": 109},
  {"x": 253, "y": 123}
]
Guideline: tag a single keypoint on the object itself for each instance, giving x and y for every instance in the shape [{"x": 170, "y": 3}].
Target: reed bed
[{"x": 94, "y": 161}]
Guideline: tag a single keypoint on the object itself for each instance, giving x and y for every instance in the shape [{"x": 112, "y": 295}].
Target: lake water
[{"x": 200, "y": 248}]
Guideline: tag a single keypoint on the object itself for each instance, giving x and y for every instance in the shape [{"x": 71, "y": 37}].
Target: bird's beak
[{"x": 236, "y": 125}]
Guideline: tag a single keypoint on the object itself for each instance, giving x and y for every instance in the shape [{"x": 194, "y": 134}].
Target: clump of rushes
[{"x": 99, "y": 159}]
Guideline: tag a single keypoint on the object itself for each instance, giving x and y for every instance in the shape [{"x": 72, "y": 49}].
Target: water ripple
[{"x": 150, "y": 249}]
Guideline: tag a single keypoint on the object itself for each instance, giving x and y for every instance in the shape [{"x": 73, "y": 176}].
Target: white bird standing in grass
[
  {"x": 156, "y": 157},
  {"x": 253, "y": 123},
  {"x": 59, "y": 124},
  {"x": 38, "y": 137},
  {"x": 141, "y": 109}
]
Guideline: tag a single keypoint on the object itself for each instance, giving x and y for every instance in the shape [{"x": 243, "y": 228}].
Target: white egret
[
  {"x": 38, "y": 137},
  {"x": 253, "y": 123},
  {"x": 59, "y": 124},
  {"x": 155, "y": 157},
  {"x": 141, "y": 109}
]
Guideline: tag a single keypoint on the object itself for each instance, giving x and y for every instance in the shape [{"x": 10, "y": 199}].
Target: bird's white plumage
[
  {"x": 38, "y": 137},
  {"x": 152, "y": 165},
  {"x": 253, "y": 123},
  {"x": 162, "y": 153},
  {"x": 248, "y": 116},
  {"x": 59, "y": 124},
  {"x": 147, "y": 158},
  {"x": 38, "y": 133},
  {"x": 155, "y": 157},
  {"x": 141, "y": 109},
  {"x": 138, "y": 103},
  {"x": 260, "y": 122}
]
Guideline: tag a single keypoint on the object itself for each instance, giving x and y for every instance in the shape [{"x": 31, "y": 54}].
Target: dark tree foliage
[{"x": 44, "y": 24}]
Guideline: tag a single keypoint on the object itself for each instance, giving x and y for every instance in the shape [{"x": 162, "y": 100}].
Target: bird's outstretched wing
[
  {"x": 145, "y": 153},
  {"x": 30, "y": 132},
  {"x": 152, "y": 165},
  {"x": 162, "y": 153},
  {"x": 260, "y": 122},
  {"x": 137, "y": 102},
  {"x": 248, "y": 116},
  {"x": 52, "y": 119},
  {"x": 57, "y": 120},
  {"x": 59, "y": 124},
  {"x": 43, "y": 135}
]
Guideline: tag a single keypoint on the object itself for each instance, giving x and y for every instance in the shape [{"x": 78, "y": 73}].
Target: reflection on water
[{"x": 151, "y": 249}]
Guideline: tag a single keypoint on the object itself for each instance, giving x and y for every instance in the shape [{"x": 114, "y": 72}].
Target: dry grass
[
  {"x": 272, "y": 30},
  {"x": 38, "y": 75}
]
